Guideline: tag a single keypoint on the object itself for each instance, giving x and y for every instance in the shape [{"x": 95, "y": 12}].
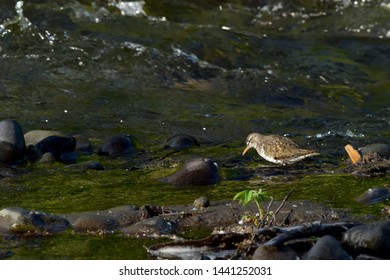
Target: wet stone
[
  {"x": 375, "y": 150},
  {"x": 327, "y": 248},
  {"x": 57, "y": 145},
  {"x": 47, "y": 158},
  {"x": 180, "y": 142},
  {"x": 22, "y": 221},
  {"x": 94, "y": 223},
  {"x": 198, "y": 171},
  {"x": 274, "y": 253},
  {"x": 155, "y": 226},
  {"x": 374, "y": 195},
  {"x": 117, "y": 145},
  {"x": 372, "y": 239},
  {"x": 12, "y": 144},
  {"x": 201, "y": 202}
]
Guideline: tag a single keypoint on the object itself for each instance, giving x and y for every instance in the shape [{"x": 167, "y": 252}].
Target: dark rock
[
  {"x": 375, "y": 150},
  {"x": 57, "y": 145},
  {"x": 374, "y": 195},
  {"x": 155, "y": 226},
  {"x": 117, "y": 145},
  {"x": 12, "y": 144},
  {"x": 327, "y": 248},
  {"x": 22, "y": 221},
  {"x": 83, "y": 145},
  {"x": 68, "y": 158},
  {"x": 35, "y": 136},
  {"x": 83, "y": 166},
  {"x": 180, "y": 141},
  {"x": 149, "y": 211},
  {"x": 372, "y": 239},
  {"x": 94, "y": 223},
  {"x": 198, "y": 171},
  {"x": 274, "y": 253},
  {"x": 201, "y": 202}
]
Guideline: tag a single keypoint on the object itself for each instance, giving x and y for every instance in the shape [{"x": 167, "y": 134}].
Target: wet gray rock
[
  {"x": 180, "y": 142},
  {"x": 374, "y": 195},
  {"x": 117, "y": 145},
  {"x": 372, "y": 239},
  {"x": 274, "y": 253},
  {"x": 155, "y": 226},
  {"x": 197, "y": 171},
  {"x": 94, "y": 223},
  {"x": 201, "y": 202},
  {"x": 68, "y": 158},
  {"x": 12, "y": 144},
  {"x": 377, "y": 150},
  {"x": 57, "y": 146},
  {"x": 18, "y": 220},
  {"x": 327, "y": 248},
  {"x": 34, "y": 136}
]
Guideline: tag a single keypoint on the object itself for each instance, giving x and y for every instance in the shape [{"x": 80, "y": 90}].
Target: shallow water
[{"x": 217, "y": 70}]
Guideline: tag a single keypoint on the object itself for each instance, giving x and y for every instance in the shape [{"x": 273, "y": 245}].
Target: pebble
[
  {"x": 201, "y": 202},
  {"x": 117, "y": 145},
  {"x": 155, "y": 226}
]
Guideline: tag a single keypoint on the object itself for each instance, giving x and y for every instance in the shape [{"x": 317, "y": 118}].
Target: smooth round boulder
[
  {"x": 155, "y": 226},
  {"x": 372, "y": 239},
  {"x": 327, "y": 248},
  {"x": 380, "y": 149},
  {"x": 32, "y": 137},
  {"x": 197, "y": 171},
  {"x": 180, "y": 142},
  {"x": 274, "y": 253},
  {"x": 117, "y": 145},
  {"x": 12, "y": 144},
  {"x": 94, "y": 223},
  {"x": 201, "y": 202},
  {"x": 57, "y": 145}
]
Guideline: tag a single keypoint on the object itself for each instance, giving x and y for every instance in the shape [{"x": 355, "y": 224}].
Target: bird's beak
[{"x": 246, "y": 149}]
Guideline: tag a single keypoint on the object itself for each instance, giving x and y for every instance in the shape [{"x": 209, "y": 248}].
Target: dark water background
[{"x": 317, "y": 71}]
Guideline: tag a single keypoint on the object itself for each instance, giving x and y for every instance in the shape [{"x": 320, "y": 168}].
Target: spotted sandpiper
[{"x": 277, "y": 149}]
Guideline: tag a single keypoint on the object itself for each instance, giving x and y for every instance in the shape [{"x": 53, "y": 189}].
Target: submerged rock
[
  {"x": 18, "y": 220},
  {"x": 12, "y": 144},
  {"x": 57, "y": 146},
  {"x": 374, "y": 195},
  {"x": 372, "y": 239},
  {"x": 197, "y": 171},
  {"x": 180, "y": 141},
  {"x": 117, "y": 145},
  {"x": 155, "y": 226},
  {"x": 327, "y": 248}
]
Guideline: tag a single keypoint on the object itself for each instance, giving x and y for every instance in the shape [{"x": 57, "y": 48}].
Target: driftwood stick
[
  {"x": 280, "y": 206},
  {"x": 266, "y": 215},
  {"x": 284, "y": 234}
]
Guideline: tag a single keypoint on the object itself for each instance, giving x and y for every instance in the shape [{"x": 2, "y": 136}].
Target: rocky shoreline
[{"x": 320, "y": 231}]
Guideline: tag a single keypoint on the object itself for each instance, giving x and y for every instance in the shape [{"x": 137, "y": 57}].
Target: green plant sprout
[{"x": 246, "y": 196}]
